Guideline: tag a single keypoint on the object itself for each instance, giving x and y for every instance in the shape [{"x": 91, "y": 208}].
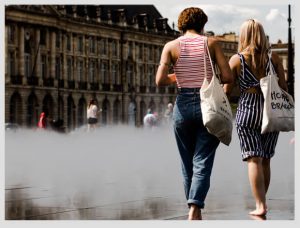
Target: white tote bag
[
  {"x": 279, "y": 108},
  {"x": 215, "y": 107}
]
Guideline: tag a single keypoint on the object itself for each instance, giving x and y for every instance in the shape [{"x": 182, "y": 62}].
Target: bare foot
[
  {"x": 258, "y": 217},
  {"x": 259, "y": 212},
  {"x": 195, "y": 213}
]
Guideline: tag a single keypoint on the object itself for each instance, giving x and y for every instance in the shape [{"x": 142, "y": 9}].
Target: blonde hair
[{"x": 254, "y": 41}]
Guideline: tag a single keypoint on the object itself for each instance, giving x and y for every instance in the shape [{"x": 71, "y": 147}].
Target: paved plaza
[{"x": 130, "y": 183}]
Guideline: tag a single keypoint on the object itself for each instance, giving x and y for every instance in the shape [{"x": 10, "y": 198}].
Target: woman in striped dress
[
  {"x": 249, "y": 66},
  {"x": 196, "y": 146}
]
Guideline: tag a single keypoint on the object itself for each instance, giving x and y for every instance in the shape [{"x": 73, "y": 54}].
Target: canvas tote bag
[
  {"x": 215, "y": 107},
  {"x": 279, "y": 108}
]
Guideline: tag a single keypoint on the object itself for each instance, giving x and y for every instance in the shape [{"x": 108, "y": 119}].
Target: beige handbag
[
  {"x": 279, "y": 108},
  {"x": 215, "y": 107}
]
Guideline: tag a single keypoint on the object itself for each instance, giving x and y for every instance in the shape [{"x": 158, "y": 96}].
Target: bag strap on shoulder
[
  {"x": 212, "y": 66},
  {"x": 270, "y": 65}
]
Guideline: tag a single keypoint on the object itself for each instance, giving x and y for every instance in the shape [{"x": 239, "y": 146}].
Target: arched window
[
  {"x": 15, "y": 112},
  {"x": 32, "y": 111},
  {"x": 81, "y": 111},
  {"x": 71, "y": 113}
]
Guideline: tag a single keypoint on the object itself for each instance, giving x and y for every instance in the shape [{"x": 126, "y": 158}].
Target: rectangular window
[
  {"x": 92, "y": 71},
  {"x": 157, "y": 54},
  {"x": 140, "y": 52},
  {"x": 80, "y": 71},
  {"x": 130, "y": 47},
  {"x": 57, "y": 40},
  {"x": 114, "y": 48},
  {"x": 150, "y": 53},
  {"x": 104, "y": 74},
  {"x": 57, "y": 68},
  {"x": 150, "y": 76},
  {"x": 114, "y": 74},
  {"x": 44, "y": 66},
  {"x": 137, "y": 51},
  {"x": 80, "y": 44},
  {"x": 141, "y": 75},
  {"x": 103, "y": 47},
  {"x": 11, "y": 62},
  {"x": 68, "y": 43},
  {"x": 11, "y": 34},
  {"x": 43, "y": 37},
  {"x": 129, "y": 73},
  {"x": 27, "y": 65},
  {"x": 69, "y": 69},
  {"x": 92, "y": 45}
]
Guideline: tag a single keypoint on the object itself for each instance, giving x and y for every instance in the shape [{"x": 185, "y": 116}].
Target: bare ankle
[{"x": 195, "y": 212}]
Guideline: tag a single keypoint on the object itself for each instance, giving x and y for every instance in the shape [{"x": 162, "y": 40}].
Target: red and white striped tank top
[{"x": 189, "y": 67}]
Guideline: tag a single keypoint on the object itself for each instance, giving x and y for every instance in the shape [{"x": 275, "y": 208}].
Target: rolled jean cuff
[{"x": 197, "y": 202}]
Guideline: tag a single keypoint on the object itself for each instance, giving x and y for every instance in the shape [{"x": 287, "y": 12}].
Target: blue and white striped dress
[{"x": 249, "y": 118}]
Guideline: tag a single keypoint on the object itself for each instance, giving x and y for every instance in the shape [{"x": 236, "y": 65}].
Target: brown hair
[
  {"x": 92, "y": 101},
  {"x": 192, "y": 18}
]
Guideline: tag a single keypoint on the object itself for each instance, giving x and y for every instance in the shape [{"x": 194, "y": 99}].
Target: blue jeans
[{"x": 196, "y": 146}]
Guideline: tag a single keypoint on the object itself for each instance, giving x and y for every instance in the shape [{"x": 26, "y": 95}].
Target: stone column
[
  {"x": 37, "y": 70},
  {"x": 52, "y": 56},
  {"x": 65, "y": 112},
  {"x": 75, "y": 100},
  {"x": 55, "y": 104},
  {"x": 111, "y": 110},
  {"x": 21, "y": 56},
  {"x": 74, "y": 62},
  {"x": 8, "y": 94},
  {"x": 100, "y": 99},
  {"x": 21, "y": 116},
  {"x": 64, "y": 61},
  {"x": 125, "y": 108},
  {"x": 138, "y": 111},
  {"x": 7, "y": 77}
]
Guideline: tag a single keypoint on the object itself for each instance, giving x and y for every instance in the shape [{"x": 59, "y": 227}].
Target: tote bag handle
[
  {"x": 208, "y": 54},
  {"x": 271, "y": 70}
]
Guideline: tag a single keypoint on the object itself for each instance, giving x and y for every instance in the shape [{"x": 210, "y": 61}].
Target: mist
[
  {"x": 119, "y": 164},
  {"x": 110, "y": 164}
]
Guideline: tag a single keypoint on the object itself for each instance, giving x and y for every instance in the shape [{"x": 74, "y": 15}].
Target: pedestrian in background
[
  {"x": 169, "y": 113},
  {"x": 42, "y": 124},
  {"x": 195, "y": 144},
  {"x": 92, "y": 115},
  {"x": 150, "y": 119},
  {"x": 249, "y": 66}
]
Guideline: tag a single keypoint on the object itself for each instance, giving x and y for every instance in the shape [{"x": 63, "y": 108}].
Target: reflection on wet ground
[
  {"x": 42, "y": 208},
  {"x": 69, "y": 180}
]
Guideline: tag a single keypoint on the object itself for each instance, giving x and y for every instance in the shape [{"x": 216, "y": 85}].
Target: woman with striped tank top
[
  {"x": 249, "y": 66},
  {"x": 195, "y": 144}
]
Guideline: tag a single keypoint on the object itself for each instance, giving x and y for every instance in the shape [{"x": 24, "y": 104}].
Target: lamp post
[{"x": 290, "y": 80}]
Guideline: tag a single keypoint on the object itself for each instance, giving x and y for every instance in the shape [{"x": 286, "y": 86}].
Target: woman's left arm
[
  {"x": 280, "y": 71},
  {"x": 222, "y": 62},
  {"x": 162, "y": 75}
]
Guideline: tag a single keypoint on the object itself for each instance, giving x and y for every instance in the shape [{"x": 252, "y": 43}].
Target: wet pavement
[{"x": 68, "y": 180}]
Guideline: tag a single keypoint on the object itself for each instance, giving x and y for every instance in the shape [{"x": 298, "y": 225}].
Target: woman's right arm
[{"x": 162, "y": 75}]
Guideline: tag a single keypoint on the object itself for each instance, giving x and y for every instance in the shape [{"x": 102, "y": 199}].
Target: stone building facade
[
  {"x": 59, "y": 57},
  {"x": 282, "y": 51}
]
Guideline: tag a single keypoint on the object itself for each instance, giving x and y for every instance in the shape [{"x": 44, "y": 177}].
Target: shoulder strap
[
  {"x": 270, "y": 65},
  {"x": 207, "y": 51},
  {"x": 242, "y": 59}
]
